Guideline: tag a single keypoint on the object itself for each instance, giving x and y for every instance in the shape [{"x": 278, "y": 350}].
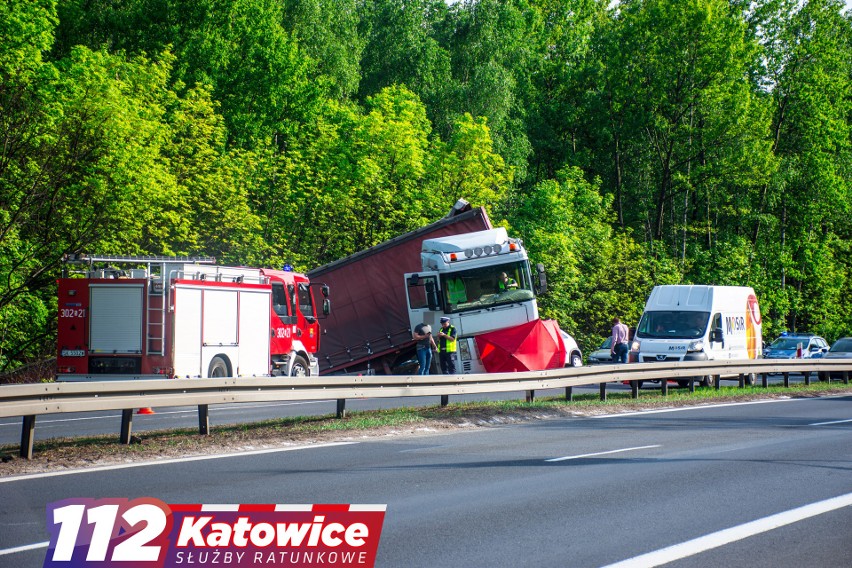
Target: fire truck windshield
[{"x": 486, "y": 286}]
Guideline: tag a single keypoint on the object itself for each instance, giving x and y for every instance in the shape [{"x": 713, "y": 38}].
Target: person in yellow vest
[
  {"x": 506, "y": 282},
  {"x": 447, "y": 347}
]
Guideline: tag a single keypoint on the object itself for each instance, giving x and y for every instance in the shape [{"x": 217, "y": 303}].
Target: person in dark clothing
[{"x": 425, "y": 343}]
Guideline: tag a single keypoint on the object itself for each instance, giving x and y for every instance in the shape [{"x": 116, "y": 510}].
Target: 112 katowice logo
[{"x": 149, "y": 533}]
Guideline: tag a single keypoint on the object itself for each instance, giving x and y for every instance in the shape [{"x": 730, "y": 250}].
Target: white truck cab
[
  {"x": 482, "y": 282},
  {"x": 699, "y": 323}
]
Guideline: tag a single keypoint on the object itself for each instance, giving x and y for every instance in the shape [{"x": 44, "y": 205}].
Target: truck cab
[{"x": 481, "y": 281}]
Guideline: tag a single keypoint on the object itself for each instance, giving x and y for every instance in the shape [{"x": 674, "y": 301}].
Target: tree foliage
[{"x": 630, "y": 144}]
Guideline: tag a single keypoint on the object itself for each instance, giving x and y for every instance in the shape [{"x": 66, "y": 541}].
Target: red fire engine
[{"x": 129, "y": 317}]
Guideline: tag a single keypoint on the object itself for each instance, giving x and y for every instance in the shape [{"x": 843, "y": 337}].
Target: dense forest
[{"x": 628, "y": 143}]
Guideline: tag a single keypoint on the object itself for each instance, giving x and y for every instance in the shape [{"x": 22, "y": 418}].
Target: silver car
[
  {"x": 842, "y": 349},
  {"x": 787, "y": 346},
  {"x": 602, "y": 354}
]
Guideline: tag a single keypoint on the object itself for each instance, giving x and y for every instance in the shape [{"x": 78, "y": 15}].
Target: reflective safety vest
[
  {"x": 456, "y": 294},
  {"x": 448, "y": 346}
]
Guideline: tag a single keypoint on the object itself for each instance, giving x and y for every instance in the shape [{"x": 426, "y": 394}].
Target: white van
[{"x": 699, "y": 323}]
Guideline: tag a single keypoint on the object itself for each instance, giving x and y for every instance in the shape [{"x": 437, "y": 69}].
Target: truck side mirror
[
  {"x": 716, "y": 336},
  {"x": 326, "y": 307},
  {"x": 324, "y": 290},
  {"x": 432, "y": 296},
  {"x": 542, "y": 279}
]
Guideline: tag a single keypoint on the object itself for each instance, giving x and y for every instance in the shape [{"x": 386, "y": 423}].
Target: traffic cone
[{"x": 146, "y": 410}]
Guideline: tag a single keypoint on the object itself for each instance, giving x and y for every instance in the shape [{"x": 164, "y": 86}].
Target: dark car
[
  {"x": 842, "y": 349},
  {"x": 787, "y": 346}
]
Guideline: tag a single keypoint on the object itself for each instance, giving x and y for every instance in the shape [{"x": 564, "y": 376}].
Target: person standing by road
[
  {"x": 620, "y": 337},
  {"x": 447, "y": 347},
  {"x": 425, "y": 343}
]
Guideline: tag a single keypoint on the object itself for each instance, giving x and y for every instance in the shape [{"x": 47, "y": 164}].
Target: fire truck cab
[{"x": 125, "y": 318}]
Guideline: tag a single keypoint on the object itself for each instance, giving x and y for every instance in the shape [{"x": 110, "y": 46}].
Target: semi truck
[
  {"x": 455, "y": 268},
  {"x": 146, "y": 317}
]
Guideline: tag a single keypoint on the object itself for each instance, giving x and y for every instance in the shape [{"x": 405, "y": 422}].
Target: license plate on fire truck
[{"x": 73, "y": 353}]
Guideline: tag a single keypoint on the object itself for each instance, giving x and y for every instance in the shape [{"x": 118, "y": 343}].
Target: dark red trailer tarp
[{"x": 369, "y": 312}]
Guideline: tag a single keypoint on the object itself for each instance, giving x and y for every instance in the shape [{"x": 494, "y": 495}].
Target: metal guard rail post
[{"x": 32, "y": 400}]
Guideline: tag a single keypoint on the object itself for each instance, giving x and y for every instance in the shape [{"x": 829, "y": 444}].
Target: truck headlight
[{"x": 697, "y": 345}]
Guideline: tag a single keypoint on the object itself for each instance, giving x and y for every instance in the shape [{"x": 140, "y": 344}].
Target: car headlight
[{"x": 697, "y": 345}]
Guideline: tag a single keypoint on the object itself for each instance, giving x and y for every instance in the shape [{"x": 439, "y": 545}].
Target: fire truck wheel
[
  {"x": 300, "y": 367},
  {"x": 218, "y": 368}
]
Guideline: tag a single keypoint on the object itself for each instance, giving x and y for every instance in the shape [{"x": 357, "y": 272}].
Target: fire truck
[{"x": 137, "y": 317}]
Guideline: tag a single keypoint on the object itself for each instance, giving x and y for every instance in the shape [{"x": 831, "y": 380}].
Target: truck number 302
[{"x": 72, "y": 313}]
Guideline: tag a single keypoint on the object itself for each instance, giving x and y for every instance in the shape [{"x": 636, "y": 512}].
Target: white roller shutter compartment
[{"x": 115, "y": 318}]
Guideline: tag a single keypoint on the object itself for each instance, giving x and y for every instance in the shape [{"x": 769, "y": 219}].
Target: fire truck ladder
[{"x": 157, "y": 288}]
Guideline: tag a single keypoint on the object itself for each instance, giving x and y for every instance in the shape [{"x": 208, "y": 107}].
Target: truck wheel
[
  {"x": 218, "y": 368},
  {"x": 751, "y": 379},
  {"x": 300, "y": 367},
  {"x": 708, "y": 381},
  {"x": 683, "y": 383}
]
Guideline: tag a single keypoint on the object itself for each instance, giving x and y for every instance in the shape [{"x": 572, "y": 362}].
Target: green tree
[
  {"x": 593, "y": 273},
  {"x": 801, "y": 227}
]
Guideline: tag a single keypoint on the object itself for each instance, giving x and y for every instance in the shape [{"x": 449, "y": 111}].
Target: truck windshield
[
  {"x": 673, "y": 325},
  {"x": 486, "y": 286}
]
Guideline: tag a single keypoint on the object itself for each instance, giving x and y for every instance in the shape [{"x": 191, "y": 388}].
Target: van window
[
  {"x": 717, "y": 322},
  {"x": 673, "y": 325}
]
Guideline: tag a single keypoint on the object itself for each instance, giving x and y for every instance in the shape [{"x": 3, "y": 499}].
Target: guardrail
[{"x": 32, "y": 400}]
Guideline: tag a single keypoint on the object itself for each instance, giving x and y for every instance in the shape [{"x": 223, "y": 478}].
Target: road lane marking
[
  {"x": 24, "y": 548},
  {"x": 832, "y": 422},
  {"x": 601, "y": 453},
  {"x": 698, "y": 407},
  {"x": 171, "y": 461},
  {"x": 733, "y": 534}
]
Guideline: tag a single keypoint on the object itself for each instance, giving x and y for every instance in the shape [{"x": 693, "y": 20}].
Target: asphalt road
[{"x": 711, "y": 486}]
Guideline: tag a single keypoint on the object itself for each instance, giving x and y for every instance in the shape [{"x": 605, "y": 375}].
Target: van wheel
[
  {"x": 751, "y": 379},
  {"x": 300, "y": 367},
  {"x": 683, "y": 383},
  {"x": 218, "y": 368},
  {"x": 708, "y": 381}
]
